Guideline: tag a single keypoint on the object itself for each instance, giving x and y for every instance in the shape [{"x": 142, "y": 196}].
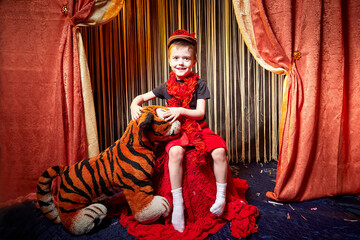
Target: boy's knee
[
  {"x": 219, "y": 155},
  {"x": 176, "y": 153}
]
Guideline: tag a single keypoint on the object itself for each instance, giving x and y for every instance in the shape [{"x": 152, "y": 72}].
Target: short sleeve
[
  {"x": 202, "y": 90},
  {"x": 160, "y": 91}
]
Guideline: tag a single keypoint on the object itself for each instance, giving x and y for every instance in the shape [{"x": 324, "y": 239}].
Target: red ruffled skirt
[{"x": 211, "y": 140}]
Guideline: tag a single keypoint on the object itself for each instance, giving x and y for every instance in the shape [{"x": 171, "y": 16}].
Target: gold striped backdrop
[{"x": 128, "y": 57}]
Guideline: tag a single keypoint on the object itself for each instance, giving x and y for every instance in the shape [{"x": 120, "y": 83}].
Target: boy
[{"x": 186, "y": 96}]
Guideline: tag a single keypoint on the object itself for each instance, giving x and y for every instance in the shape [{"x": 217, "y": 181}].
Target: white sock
[
  {"x": 178, "y": 219},
  {"x": 219, "y": 206}
]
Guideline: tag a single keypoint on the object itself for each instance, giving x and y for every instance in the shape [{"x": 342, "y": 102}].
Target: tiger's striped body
[{"x": 126, "y": 166}]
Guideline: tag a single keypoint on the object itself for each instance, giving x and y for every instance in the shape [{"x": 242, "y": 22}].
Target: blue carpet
[{"x": 326, "y": 218}]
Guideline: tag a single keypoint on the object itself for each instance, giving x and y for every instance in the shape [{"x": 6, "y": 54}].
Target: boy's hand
[
  {"x": 135, "y": 111},
  {"x": 173, "y": 114}
]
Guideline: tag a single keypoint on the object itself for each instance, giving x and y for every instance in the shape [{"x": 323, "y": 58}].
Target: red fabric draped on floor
[{"x": 199, "y": 191}]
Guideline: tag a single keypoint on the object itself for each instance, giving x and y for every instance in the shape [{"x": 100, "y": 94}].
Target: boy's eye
[{"x": 175, "y": 58}]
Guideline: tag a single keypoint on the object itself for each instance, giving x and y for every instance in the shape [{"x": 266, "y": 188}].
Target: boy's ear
[
  {"x": 195, "y": 61},
  {"x": 145, "y": 119}
]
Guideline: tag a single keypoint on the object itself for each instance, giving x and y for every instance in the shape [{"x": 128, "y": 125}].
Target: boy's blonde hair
[{"x": 183, "y": 43}]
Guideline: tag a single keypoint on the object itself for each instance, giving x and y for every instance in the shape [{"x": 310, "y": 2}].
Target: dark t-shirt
[{"x": 201, "y": 92}]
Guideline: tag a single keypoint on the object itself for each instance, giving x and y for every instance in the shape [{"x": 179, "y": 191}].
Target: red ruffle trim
[{"x": 199, "y": 191}]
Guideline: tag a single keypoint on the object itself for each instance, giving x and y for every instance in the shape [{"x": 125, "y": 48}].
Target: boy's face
[{"x": 182, "y": 60}]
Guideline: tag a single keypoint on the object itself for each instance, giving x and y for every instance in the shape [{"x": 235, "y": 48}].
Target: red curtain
[
  {"x": 41, "y": 106},
  {"x": 320, "y": 130}
]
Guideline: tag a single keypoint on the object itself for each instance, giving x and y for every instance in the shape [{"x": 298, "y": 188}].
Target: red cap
[{"x": 182, "y": 34}]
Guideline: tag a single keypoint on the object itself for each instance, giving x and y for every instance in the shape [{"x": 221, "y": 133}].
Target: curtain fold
[
  {"x": 244, "y": 19},
  {"x": 41, "y": 92},
  {"x": 102, "y": 11},
  {"x": 128, "y": 56},
  {"x": 315, "y": 42}
]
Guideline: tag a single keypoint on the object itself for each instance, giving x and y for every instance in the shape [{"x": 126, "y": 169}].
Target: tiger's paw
[
  {"x": 87, "y": 218},
  {"x": 158, "y": 207}
]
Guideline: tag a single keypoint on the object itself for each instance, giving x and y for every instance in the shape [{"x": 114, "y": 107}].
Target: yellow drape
[
  {"x": 101, "y": 13},
  {"x": 128, "y": 56}
]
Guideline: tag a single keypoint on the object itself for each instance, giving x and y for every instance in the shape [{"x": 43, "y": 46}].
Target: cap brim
[{"x": 181, "y": 37}]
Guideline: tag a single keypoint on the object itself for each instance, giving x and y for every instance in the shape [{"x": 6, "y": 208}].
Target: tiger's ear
[{"x": 145, "y": 119}]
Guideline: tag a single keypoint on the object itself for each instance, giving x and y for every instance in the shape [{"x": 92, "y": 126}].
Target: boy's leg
[
  {"x": 176, "y": 155},
  {"x": 220, "y": 172}
]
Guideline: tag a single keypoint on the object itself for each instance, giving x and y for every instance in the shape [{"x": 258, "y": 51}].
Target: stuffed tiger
[{"x": 126, "y": 166}]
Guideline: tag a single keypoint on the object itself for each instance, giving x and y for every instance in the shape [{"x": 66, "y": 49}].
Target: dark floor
[{"x": 327, "y": 218}]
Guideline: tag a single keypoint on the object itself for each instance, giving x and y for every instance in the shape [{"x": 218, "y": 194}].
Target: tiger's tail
[{"x": 44, "y": 195}]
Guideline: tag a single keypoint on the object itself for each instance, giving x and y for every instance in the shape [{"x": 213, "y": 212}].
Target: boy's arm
[
  {"x": 196, "y": 114},
  {"x": 135, "y": 106}
]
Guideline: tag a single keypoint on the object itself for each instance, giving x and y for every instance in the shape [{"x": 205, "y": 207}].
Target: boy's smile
[{"x": 181, "y": 60}]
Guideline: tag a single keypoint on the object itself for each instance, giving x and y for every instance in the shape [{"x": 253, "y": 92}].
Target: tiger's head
[{"x": 157, "y": 128}]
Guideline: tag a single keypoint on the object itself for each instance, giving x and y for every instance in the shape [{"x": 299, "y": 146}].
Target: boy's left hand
[{"x": 173, "y": 114}]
